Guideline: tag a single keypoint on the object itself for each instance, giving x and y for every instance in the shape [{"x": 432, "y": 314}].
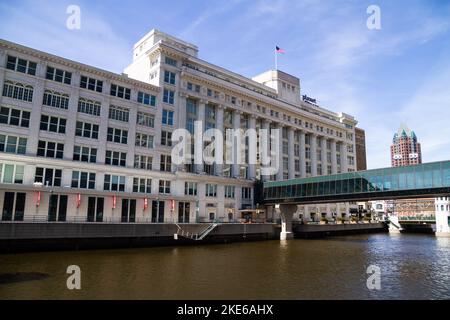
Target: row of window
[{"x": 13, "y": 174}]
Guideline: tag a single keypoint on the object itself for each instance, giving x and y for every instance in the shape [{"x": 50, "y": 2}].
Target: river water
[{"x": 411, "y": 267}]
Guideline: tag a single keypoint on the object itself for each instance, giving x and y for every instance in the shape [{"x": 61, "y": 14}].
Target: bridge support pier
[{"x": 286, "y": 212}]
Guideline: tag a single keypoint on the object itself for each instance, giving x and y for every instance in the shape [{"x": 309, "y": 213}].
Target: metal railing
[
  {"x": 417, "y": 218},
  {"x": 117, "y": 220}
]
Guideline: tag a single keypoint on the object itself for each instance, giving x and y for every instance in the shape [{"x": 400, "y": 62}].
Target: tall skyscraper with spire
[{"x": 405, "y": 149}]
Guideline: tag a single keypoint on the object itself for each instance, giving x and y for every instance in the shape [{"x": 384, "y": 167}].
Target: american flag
[{"x": 279, "y": 50}]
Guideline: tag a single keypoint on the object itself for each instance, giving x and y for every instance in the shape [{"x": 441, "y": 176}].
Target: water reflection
[{"x": 412, "y": 267}]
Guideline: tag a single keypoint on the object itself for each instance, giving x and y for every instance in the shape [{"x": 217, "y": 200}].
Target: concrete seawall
[
  {"x": 23, "y": 237},
  {"x": 316, "y": 230},
  {"x": 17, "y": 237}
]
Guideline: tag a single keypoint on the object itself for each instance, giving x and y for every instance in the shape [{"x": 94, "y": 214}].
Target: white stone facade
[
  {"x": 118, "y": 127},
  {"x": 442, "y": 216}
]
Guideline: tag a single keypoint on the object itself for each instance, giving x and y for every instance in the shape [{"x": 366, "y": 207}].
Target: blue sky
[{"x": 399, "y": 74}]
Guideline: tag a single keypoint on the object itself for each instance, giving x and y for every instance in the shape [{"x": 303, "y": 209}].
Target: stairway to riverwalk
[
  {"x": 394, "y": 224},
  {"x": 195, "y": 233}
]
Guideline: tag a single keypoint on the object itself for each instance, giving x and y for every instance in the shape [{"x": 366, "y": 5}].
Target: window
[
  {"x": 11, "y": 173},
  {"x": 91, "y": 84},
  {"x": 114, "y": 183},
  {"x": 229, "y": 192},
  {"x": 166, "y": 138},
  {"x": 48, "y": 176},
  {"x": 13, "y": 206},
  {"x": 95, "y": 209},
  {"x": 169, "y": 77},
  {"x": 56, "y": 100},
  {"x": 184, "y": 209},
  {"x": 164, "y": 187},
  {"x": 166, "y": 163},
  {"x": 308, "y": 153},
  {"x": 15, "y": 117},
  {"x": 193, "y": 87},
  {"x": 119, "y": 113},
  {"x": 86, "y": 130},
  {"x": 296, "y": 150},
  {"x": 12, "y": 144},
  {"x": 116, "y": 158},
  {"x": 128, "y": 214},
  {"x": 21, "y": 65},
  {"x": 297, "y": 165},
  {"x": 89, "y": 107},
  {"x": 84, "y": 154},
  {"x": 211, "y": 190},
  {"x": 143, "y": 162},
  {"x": 83, "y": 180},
  {"x": 18, "y": 91},
  {"x": 147, "y": 99},
  {"x": 120, "y": 92},
  {"x": 169, "y": 96},
  {"x": 308, "y": 167},
  {"x": 190, "y": 188},
  {"x": 53, "y": 124},
  {"x": 171, "y": 61},
  {"x": 144, "y": 140},
  {"x": 145, "y": 119},
  {"x": 58, "y": 75},
  {"x": 57, "y": 208},
  {"x": 50, "y": 149},
  {"x": 351, "y": 160},
  {"x": 142, "y": 185},
  {"x": 117, "y": 135},
  {"x": 157, "y": 211},
  {"x": 191, "y": 106},
  {"x": 246, "y": 193},
  {"x": 167, "y": 117}
]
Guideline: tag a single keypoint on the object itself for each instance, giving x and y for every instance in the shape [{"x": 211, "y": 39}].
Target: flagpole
[{"x": 276, "y": 60}]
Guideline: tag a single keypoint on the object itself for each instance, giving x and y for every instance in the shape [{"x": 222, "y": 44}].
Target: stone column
[
  {"x": 199, "y": 168},
  {"x": 279, "y": 152},
  {"x": 265, "y": 149},
  {"x": 323, "y": 146},
  {"x": 220, "y": 127},
  {"x": 333, "y": 157},
  {"x": 291, "y": 145},
  {"x": 252, "y": 151},
  {"x": 181, "y": 113},
  {"x": 313, "y": 155},
  {"x": 344, "y": 161},
  {"x": 181, "y": 120},
  {"x": 302, "y": 155},
  {"x": 236, "y": 162}
]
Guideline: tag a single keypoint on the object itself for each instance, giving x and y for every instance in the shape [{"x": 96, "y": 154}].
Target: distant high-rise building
[
  {"x": 360, "y": 144},
  {"x": 405, "y": 150}
]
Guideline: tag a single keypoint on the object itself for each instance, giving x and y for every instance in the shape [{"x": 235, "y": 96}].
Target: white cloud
[{"x": 42, "y": 25}]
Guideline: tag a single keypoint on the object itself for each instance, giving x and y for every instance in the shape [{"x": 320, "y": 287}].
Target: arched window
[
  {"x": 19, "y": 91},
  {"x": 56, "y": 99}
]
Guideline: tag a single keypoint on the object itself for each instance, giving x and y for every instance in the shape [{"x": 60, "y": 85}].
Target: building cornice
[{"x": 7, "y": 45}]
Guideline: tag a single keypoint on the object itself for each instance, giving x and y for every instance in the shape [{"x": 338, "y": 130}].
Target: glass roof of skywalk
[{"x": 432, "y": 179}]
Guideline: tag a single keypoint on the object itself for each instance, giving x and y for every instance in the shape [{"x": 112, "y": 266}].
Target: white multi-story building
[{"x": 82, "y": 144}]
